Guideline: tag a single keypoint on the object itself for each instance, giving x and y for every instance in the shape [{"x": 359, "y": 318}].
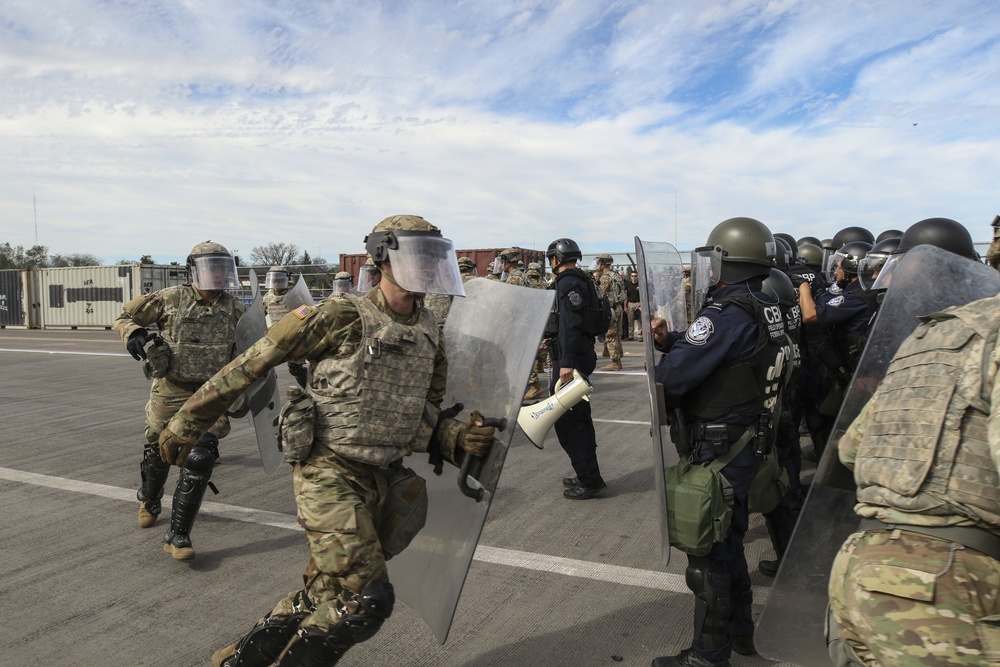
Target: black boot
[
  {"x": 153, "y": 471},
  {"x": 187, "y": 499}
]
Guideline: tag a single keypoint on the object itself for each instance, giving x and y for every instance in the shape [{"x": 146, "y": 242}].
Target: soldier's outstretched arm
[{"x": 993, "y": 421}]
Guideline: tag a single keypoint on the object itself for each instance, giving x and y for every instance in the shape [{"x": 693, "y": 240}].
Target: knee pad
[
  {"x": 312, "y": 648},
  {"x": 201, "y": 460},
  {"x": 264, "y": 642}
]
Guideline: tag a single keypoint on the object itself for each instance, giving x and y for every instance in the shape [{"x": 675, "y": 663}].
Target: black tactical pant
[{"x": 575, "y": 431}]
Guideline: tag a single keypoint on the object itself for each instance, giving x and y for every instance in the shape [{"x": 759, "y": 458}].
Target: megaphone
[{"x": 536, "y": 420}]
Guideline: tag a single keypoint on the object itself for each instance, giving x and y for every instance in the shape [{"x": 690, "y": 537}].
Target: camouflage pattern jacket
[
  {"x": 517, "y": 277},
  {"x": 274, "y": 306},
  {"x": 613, "y": 286},
  {"x": 926, "y": 448},
  {"x": 201, "y": 334},
  {"x": 340, "y": 336}
]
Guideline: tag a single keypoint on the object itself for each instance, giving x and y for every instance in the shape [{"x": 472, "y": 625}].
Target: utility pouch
[
  {"x": 699, "y": 506},
  {"x": 158, "y": 359},
  {"x": 403, "y": 512},
  {"x": 769, "y": 485},
  {"x": 763, "y": 439},
  {"x": 296, "y": 423}
]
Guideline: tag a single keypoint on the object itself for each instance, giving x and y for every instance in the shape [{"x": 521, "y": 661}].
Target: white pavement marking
[
  {"x": 620, "y": 421},
  {"x": 615, "y": 574},
  {"x": 89, "y": 354}
]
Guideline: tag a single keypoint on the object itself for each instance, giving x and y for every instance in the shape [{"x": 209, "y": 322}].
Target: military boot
[
  {"x": 534, "y": 392},
  {"x": 188, "y": 495},
  {"x": 153, "y": 471},
  {"x": 613, "y": 366}
]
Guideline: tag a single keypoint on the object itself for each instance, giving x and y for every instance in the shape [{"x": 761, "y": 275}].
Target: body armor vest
[
  {"x": 749, "y": 386},
  {"x": 201, "y": 336},
  {"x": 925, "y": 449},
  {"x": 274, "y": 306},
  {"x": 370, "y": 405}
]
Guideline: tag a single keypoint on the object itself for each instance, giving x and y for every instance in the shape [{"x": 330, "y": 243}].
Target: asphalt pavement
[{"x": 554, "y": 582}]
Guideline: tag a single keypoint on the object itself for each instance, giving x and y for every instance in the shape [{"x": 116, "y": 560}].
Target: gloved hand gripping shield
[
  {"x": 490, "y": 357},
  {"x": 264, "y": 395},
  {"x": 929, "y": 279},
  {"x": 661, "y": 295}
]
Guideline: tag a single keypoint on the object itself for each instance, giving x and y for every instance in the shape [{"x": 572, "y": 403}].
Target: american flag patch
[{"x": 301, "y": 312}]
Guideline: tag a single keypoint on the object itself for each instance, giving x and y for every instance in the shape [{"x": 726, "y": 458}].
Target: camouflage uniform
[
  {"x": 274, "y": 305},
  {"x": 613, "y": 286},
  {"x": 465, "y": 267},
  {"x": 201, "y": 337},
  {"x": 925, "y": 453},
  {"x": 993, "y": 252}
]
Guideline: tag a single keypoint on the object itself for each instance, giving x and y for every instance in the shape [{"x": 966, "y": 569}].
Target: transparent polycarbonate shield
[
  {"x": 661, "y": 295},
  {"x": 926, "y": 280},
  {"x": 490, "y": 356}
]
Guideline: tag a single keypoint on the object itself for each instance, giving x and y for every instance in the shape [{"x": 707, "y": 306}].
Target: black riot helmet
[
  {"x": 944, "y": 233},
  {"x": 810, "y": 239},
  {"x": 564, "y": 250},
  {"x": 811, "y": 255},
  {"x": 783, "y": 256},
  {"x": 738, "y": 249},
  {"x": 789, "y": 239},
  {"x": 847, "y": 258},
  {"x": 849, "y": 234},
  {"x": 888, "y": 234},
  {"x": 871, "y": 265},
  {"x": 780, "y": 285}
]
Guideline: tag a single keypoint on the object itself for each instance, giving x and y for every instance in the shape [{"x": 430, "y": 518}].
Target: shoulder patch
[
  {"x": 699, "y": 331},
  {"x": 575, "y": 298},
  {"x": 836, "y": 301},
  {"x": 304, "y": 311},
  {"x": 834, "y": 288}
]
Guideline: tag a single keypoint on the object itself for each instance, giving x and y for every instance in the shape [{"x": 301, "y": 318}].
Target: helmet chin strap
[{"x": 388, "y": 276}]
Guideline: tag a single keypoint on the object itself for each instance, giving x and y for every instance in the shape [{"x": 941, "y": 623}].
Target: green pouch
[
  {"x": 769, "y": 486},
  {"x": 158, "y": 360},
  {"x": 296, "y": 424},
  {"x": 699, "y": 506},
  {"x": 403, "y": 513}
]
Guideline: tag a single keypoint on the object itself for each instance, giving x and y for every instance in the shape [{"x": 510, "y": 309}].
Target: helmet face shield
[
  {"x": 885, "y": 275},
  {"x": 214, "y": 273},
  {"x": 341, "y": 286},
  {"x": 706, "y": 270},
  {"x": 870, "y": 267},
  {"x": 368, "y": 277},
  {"x": 276, "y": 280},
  {"x": 832, "y": 264},
  {"x": 425, "y": 264}
]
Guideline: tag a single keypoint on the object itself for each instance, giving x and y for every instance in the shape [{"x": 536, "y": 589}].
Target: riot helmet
[
  {"x": 535, "y": 270},
  {"x": 780, "y": 285},
  {"x": 211, "y": 267},
  {"x": 368, "y": 276},
  {"x": 421, "y": 260},
  {"x": 848, "y": 234},
  {"x": 737, "y": 249},
  {"x": 811, "y": 255},
  {"x": 564, "y": 250},
  {"x": 603, "y": 259},
  {"x": 341, "y": 283},
  {"x": 888, "y": 234},
  {"x": 847, "y": 258},
  {"x": 809, "y": 239},
  {"x": 783, "y": 257},
  {"x": 510, "y": 256},
  {"x": 944, "y": 233},
  {"x": 277, "y": 277},
  {"x": 871, "y": 265},
  {"x": 789, "y": 239}
]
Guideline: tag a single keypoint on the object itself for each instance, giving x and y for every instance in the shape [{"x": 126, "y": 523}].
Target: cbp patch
[
  {"x": 302, "y": 312},
  {"x": 575, "y": 299},
  {"x": 835, "y": 301},
  {"x": 699, "y": 331},
  {"x": 834, "y": 289}
]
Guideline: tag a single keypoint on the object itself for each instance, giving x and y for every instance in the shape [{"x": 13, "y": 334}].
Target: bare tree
[
  {"x": 273, "y": 254},
  {"x": 74, "y": 259}
]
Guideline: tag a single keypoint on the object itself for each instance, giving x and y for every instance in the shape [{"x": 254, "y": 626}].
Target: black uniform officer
[
  {"x": 719, "y": 376},
  {"x": 844, "y": 313},
  {"x": 572, "y": 348}
]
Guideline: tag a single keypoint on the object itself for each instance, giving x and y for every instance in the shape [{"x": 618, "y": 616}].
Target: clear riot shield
[
  {"x": 661, "y": 294},
  {"x": 928, "y": 279},
  {"x": 264, "y": 395},
  {"x": 490, "y": 356}
]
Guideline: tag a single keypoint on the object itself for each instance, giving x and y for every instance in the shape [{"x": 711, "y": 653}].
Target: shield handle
[{"x": 474, "y": 464}]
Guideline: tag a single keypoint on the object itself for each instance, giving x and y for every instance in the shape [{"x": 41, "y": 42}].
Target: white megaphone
[{"x": 536, "y": 420}]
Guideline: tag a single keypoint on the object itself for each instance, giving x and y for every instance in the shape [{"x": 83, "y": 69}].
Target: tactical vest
[
  {"x": 201, "y": 336},
  {"x": 274, "y": 307},
  {"x": 925, "y": 449},
  {"x": 370, "y": 406},
  {"x": 749, "y": 386}
]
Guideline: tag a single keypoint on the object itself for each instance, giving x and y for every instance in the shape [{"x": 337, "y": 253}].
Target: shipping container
[
  {"x": 83, "y": 296},
  {"x": 12, "y": 306}
]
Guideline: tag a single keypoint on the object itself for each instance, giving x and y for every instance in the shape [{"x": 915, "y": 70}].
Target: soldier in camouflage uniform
[
  {"x": 993, "y": 252},
  {"x": 276, "y": 283},
  {"x": 197, "y": 336},
  {"x": 920, "y": 584},
  {"x": 341, "y": 283},
  {"x": 376, "y": 380},
  {"x": 467, "y": 268},
  {"x": 511, "y": 258},
  {"x": 368, "y": 277},
  {"x": 613, "y": 286},
  {"x": 533, "y": 278}
]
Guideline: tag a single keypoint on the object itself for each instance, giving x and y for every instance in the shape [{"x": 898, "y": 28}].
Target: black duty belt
[{"x": 968, "y": 536}]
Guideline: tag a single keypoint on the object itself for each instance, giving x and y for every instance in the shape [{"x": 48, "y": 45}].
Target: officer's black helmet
[
  {"x": 850, "y": 254},
  {"x": 809, "y": 239},
  {"x": 779, "y": 284},
  {"x": 783, "y": 256},
  {"x": 789, "y": 239},
  {"x": 564, "y": 250},
  {"x": 747, "y": 248},
  {"x": 888, "y": 234},
  {"x": 849, "y": 234},
  {"x": 811, "y": 255},
  {"x": 944, "y": 233}
]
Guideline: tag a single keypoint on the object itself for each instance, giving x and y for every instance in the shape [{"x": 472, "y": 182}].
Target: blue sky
[{"x": 143, "y": 128}]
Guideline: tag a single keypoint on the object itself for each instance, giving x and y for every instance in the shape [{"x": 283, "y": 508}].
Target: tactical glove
[
  {"x": 173, "y": 448},
  {"x": 797, "y": 280},
  {"x": 136, "y": 344},
  {"x": 475, "y": 438}
]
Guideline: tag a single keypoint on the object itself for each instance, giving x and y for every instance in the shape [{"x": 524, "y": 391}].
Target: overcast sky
[{"x": 145, "y": 126}]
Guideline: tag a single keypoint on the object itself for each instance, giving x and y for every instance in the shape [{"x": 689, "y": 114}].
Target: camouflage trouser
[
  {"x": 613, "y": 336},
  {"x": 336, "y": 502},
  {"x": 902, "y": 598},
  {"x": 165, "y": 399}
]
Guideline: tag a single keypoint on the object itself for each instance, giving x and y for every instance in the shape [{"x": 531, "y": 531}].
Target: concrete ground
[{"x": 555, "y": 582}]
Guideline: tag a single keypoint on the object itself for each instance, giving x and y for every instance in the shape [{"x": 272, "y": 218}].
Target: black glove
[
  {"x": 136, "y": 344},
  {"x": 797, "y": 280},
  {"x": 299, "y": 372}
]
